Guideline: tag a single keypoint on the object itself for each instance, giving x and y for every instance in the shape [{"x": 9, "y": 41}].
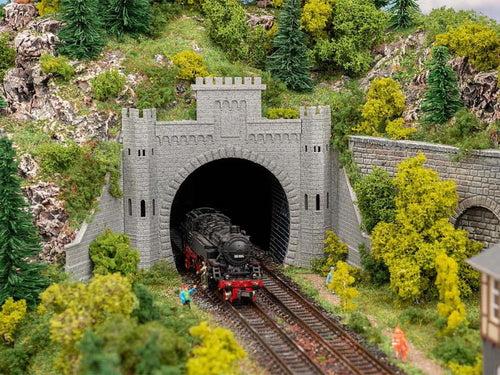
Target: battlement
[
  {"x": 134, "y": 114},
  {"x": 315, "y": 112},
  {"x": 228, "y": 83}
]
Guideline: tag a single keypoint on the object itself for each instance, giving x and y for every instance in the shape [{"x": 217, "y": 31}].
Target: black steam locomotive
[{"x": 221, "y": 252}]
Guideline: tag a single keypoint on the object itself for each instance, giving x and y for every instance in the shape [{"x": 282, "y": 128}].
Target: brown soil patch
[{"x": 416, "y": 357}]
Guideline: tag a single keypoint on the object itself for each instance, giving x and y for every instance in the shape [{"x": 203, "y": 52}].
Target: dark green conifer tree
[
  {"x": 19, "y": 244},
  {"x": 289, "y": 60},
  {"x": 126, "y": 16},
  {"x": 81, "y": 37},
  {"x": 402, "y": 12},
  {"x": 442, "y": 98}
]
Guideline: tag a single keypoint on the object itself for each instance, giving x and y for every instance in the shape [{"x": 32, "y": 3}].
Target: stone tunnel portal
[{"x": 246, "y": 192}]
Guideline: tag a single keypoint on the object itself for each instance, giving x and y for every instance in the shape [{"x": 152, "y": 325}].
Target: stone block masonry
[
  {"x": 477, "y": 177},
  {"x": 108, "y": 215}
]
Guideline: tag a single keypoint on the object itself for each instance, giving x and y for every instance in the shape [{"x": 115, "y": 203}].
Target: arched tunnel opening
[
  {"x": 481, "y": 225},
  {"x": 246, "y": 192}
]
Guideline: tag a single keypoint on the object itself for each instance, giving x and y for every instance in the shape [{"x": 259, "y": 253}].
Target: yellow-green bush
[
  {"x": 383, "y": 108},
  {"x": 56, "y": 65},
  {"x": 218, "y": 354},
  {"x": 480, "y": 43},
  {"x": 287, "y": 113},
  {"x": 10, "y": 316},
  {"x": 421, "y": 231},
  {"x": 190, "y": 65},
  {"x": 340, "y": 284},
  {"x": 450, "y": 307},
  {"x": 78, "y": 307},
  {"x": 191, "y": 4},
  {"x": 48, "y": 7},
  {"x": 107, "y": 84},
  {"x": 476, "y": 369},
  {"x": 315, "y": 17}
]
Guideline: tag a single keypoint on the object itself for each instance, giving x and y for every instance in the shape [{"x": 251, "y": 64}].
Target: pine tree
[
  {"x": 289, "y": 60},
  {"x": 126, "y": 16},
  {"x": 94, "y": 359},
  {"x": 442, "y": 98},
  {"x": 401, "y": 12},
  {"x": 19, "y": 277},
  {"x": 81, "y": 36}
]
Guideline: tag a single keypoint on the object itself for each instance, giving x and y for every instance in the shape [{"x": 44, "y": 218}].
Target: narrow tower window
[
  {"x": 152, "y": 151},
  {"x": 327, "y": 200},
  {"x": 154, "y": 208},
  {"x": 314, "y": 149},
  {"x": 129, "y": 151},
  {"x": 130, "y": 207},
  {"x": 306, "y": 148},
  {"x": 317, "y": 202},
  {"x": 143, "y": 208},
  {"x": 306, "y": 203},
  {"x": 319, "y": 148},
  {"x": 143, "y": 152},
  {"x": 138, "y": 152}
]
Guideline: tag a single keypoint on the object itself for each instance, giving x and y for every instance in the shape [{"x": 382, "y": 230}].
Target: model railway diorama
[{"x": 222, "y": 253}]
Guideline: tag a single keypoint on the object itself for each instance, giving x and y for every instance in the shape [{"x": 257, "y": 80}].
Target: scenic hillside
[{"x": 67, "y": 68}]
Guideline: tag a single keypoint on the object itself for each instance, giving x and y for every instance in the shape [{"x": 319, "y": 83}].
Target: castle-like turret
[
  {"x": 316, "y": 180},
  {"x": 140, "y": 193}
]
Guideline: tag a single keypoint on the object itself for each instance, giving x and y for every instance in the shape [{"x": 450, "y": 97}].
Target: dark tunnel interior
[{"x": 245, "y": 191}]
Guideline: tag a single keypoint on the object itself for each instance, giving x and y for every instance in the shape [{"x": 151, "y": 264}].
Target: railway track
[
  {"x": 331, "y": 336},
  {"x": 293, "y": 336}
]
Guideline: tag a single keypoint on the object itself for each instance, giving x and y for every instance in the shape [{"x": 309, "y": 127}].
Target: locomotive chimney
[{"x": 235, "y": 229}]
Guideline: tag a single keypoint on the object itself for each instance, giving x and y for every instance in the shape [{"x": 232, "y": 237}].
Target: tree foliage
[
  {"x": 107, "y": 84},
  {"x": 343, "y": 32},
  {"x": 219, "y": 352},
  {"x": 402, "y": 13},
  {"x": 78, "y": 307},
  {"x": 94, "y": 359},
  {"x": 383, "y": 110},
  {"x": 226, "y": 26},
  {"x": 421, "y": 231},
  {"x": 110, "y": 253},
  {"x": 340, "y": 284},
  {"x": 376, "y": 194},
  {"x": 146, "y": 310},
  {"x": 480, "y": 43},
  {"x": 289, "y": 61},
  {"x": 56, "y": 65},
  {"x": 81, "y": 36},
  {"x": 7, "y": 55},
  {"x": 450, "y": 307},
  {"x": 126, "y": 16},
  {"x": 3, "y": 102},
  {"x": 20, "y": 276},
  {"x": 10, "y": 316},
  {"x": 442, "y": 98}
]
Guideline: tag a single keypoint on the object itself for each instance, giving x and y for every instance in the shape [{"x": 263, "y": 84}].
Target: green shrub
[
  {"x": 48, "y": 7},
  {"x": 80, "y": 172},
  {"x": 271, "y": 96},
  {"x": 259, "y": 45},
  {"x": 377, "y": 271},
  {"x": 190, "y": 65},
  {"x": 146, "y": 310},
  {"x": 7, "y": 55},
  {"x": 56, "y": 65},
  {"x": 161, "y": 14},
  {"x": 376, "y": 194},
  {"x": 359, "y": 323},
  {"x": 443, "y": 19},
  {"x": 456, "y": 349},
  {"x": 415, "y": 316},
  {"x": 286, "y": 113},
  {"x": 158, "y": 89},
  {"x": 226, "y": 26},
  {"x": 3, "y": 102},
  {"x": 334, "y": 251},
  {"x": 345, "y": 106},
  {"x": 107, "y": 84},
  {"x": 161, "y": 273},
  {"x": 480, "y": 43},
  {"x": 110, "y": 253}
]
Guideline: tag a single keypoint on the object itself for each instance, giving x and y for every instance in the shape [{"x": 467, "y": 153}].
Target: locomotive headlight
[
  {"x": 254, "y": 275},
  {"x": 226, "y": 276}
]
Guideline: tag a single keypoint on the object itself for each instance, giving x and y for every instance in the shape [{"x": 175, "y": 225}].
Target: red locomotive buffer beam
[
  {"x": 237, "y": 289},
  {"x": 191, "y": 259}
]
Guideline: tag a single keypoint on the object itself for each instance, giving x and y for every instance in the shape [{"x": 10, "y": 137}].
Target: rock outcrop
[{"x": 17, "y": 16}]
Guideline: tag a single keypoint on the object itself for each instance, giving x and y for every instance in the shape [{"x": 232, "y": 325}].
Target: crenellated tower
[
  {"x": 140, "y": 190},
  {"x": 316, "y": 180}
]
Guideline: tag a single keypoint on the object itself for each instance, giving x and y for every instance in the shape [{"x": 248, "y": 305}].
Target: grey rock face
[
  {"x": 17, "y": 16},
  {"x": 30, "y": 46}
]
